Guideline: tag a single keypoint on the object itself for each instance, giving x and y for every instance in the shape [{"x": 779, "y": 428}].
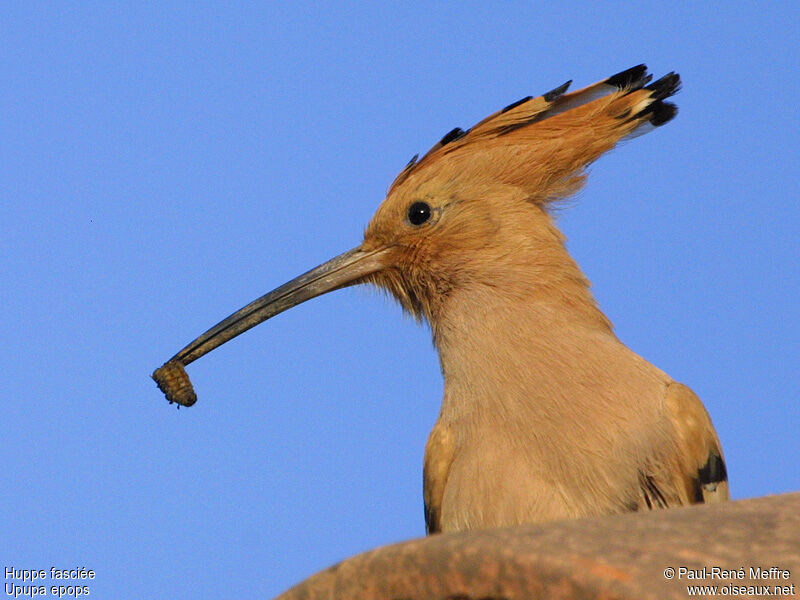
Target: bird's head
[
  {"x": 452, "y": 220},
  {"x": 452, "y": 225},
  {"x": 472, "y": 214}
]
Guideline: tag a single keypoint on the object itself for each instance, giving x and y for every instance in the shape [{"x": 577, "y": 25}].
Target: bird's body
[
  {"x": 589, "y": 429},
  {"x": 546, "y": 414}
]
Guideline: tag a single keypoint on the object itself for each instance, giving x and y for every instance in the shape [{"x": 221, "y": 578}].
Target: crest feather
[{"x": 555, "y": 135}]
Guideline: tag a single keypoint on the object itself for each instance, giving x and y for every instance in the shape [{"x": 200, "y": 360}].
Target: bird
[{"x": 546, "y": 414}]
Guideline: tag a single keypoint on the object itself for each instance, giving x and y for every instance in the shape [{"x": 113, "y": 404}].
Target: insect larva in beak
[{"x": 174, "y": 382}]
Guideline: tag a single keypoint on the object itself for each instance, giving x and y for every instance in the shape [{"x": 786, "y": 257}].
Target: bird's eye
[{"x": 419, "y": 212}]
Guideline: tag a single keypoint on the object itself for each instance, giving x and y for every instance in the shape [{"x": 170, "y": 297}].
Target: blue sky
[{"x": 163, "y": 164}]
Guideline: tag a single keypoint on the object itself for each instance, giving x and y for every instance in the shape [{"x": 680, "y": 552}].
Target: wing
[
  {"x": 697, "y": 473},
  {"x": 439, "y": 453}
]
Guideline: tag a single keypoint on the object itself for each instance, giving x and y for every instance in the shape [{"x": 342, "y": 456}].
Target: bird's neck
[
  {"x": 525, "y": 329},
  {"x": 537, "y": 285}
]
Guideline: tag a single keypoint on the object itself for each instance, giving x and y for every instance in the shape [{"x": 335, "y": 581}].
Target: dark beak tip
[{"x": 172, "y": 379}]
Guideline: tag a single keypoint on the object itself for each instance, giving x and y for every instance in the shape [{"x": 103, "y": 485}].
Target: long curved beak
[{"x": 344, "y": 270}]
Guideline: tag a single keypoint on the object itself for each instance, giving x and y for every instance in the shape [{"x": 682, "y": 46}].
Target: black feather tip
[
  {"x": 713, "y": 471},
  {"x": 452, "y": 135},
  {"x": 630, "y": 79},
  {"x": 666, "y": 86},
  {"x": 709, "y": 476},
  {"x": 555, "y": 93},
  {"x": 662, "y": 112}
]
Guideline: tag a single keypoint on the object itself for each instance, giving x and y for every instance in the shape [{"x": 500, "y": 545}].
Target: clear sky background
[{"x": 162, "y": 164}]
